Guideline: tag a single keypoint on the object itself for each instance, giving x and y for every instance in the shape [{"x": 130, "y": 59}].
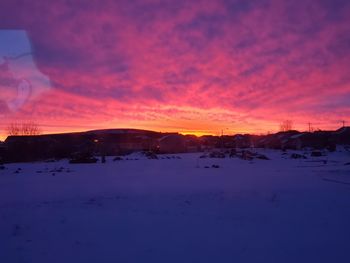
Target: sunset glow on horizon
[{"x": 194, "y": 67}]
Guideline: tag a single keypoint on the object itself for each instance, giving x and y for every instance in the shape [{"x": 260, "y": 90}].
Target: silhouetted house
[
  {"x": 341, "y": 136},
  {"x": 242, "y": 141},
  {"x": 24, "y": 148},
  {"x": 280, "y": 140},
  {"x": 41, "y": 147},
  {"x": 317, "y": 140},
  {"x": 2, "y": 151},
  {"x": 136, "y": 143},
  {"x": 193, "y": 143},
  {"x": 294, "y": 142},
  {"x": 226, "y": 141},
  {"x": 264, "y": 141},
  {"x": 172, "y": 143},
  {"x": 57, "y": 146},
  {"x": 209, "y": 142},
  {"x": 122, "y": 141},
  {"x": 298, "y": 140}
]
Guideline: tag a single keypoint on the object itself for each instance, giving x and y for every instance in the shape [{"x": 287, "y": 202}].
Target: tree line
[{"x": 23, "y": 129}]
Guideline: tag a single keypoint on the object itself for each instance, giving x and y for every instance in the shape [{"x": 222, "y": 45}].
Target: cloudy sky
[{"x": 175, "y": 65}]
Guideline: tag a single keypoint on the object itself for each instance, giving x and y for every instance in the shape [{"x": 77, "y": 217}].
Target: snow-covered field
[{"x": 176, "y": 210}]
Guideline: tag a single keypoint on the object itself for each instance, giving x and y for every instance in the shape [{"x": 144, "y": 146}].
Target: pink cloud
[{"x": 188, "y": 65}]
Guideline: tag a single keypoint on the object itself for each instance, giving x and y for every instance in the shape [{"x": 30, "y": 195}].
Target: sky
[{"x": 201, "y": 66}]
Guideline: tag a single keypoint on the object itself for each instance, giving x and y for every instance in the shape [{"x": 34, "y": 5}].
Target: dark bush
[
  {"x": 83, "y": 158},
  {"x": 232, "y": 153},
  {"x": 316, "y": 153},
  {"x": 217, "y": 154},
  {"x": 297, "y": 156},
  {"x": 331, "y": 147},
  {"x": 246, "y": 155},
  {"x": 262, "y": 157},
  {"x": 150, "y": 155}
]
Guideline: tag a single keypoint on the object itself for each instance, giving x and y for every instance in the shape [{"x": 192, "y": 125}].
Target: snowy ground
[{"x": 175, "y": 210}]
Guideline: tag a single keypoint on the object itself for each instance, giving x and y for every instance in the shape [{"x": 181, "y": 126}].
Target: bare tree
[
  {"x": 23, "y": 129},
  {"x": 286, "y": 125}
]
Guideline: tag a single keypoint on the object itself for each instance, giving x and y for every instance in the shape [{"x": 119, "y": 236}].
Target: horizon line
[{"x": 168, "y": 132}]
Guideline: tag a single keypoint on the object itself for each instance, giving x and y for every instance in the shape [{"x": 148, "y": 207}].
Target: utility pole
[
  {"x": 309, "y": 126},
  {"x": 343, "y": 123},
  {"x": 222, "y": 139}
]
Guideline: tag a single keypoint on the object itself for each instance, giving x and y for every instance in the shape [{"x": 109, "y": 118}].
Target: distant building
[
  {"x": 101, "y": 142},
  {"x": 193, "y": 143},
  {"x": 2, "y": 151},
  {"x": 172, "y": 143},
  {"x": 243, "y": 141},
  {"x": 209, "y": 142},
  {"x": 342, "y": 136},
  {"x": 294, "y": 142}
]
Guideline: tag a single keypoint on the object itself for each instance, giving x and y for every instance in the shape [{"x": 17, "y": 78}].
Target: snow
[{"x": 175, "y": 210}]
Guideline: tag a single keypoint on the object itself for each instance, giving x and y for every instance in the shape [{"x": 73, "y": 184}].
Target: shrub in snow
[
  {"x": 117, "y": 158},
  {"x": 150, "y": 155},
  {"x": 316, "y": 153},
  {"x": 217, "y": 154},
  {"x": 262, "y": 157},
  {"x": 297, "y": 156},
  {"x": 331, "y": 147},
  {"x": 83, "y": 158},
  {"x": 232, "y": 153},
  {"x": 18, "y": 170},
  {"x": 16, "y": 230},
  {"x": 246, "y": 155},
  {"x": 153, "y": 156}
]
